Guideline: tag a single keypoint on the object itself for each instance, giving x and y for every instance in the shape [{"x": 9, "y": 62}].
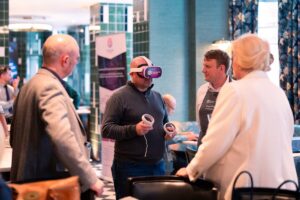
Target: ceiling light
[
  {"x": 3, "y": 29},
  {"x": 94, "y": 27},
  {"x": 30, "y": 27},
  {"x": 27, "y": 17}
]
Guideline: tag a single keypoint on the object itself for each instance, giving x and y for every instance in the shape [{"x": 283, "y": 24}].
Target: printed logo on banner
[
  {"x": 112, "y": 65},
  {"x": 109, "y": 42},
  {"x": 112, "y": 72}
]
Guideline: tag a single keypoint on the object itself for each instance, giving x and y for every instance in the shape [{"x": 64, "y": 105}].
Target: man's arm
[
  {"x": 112, "y": 120},
  {"x": 15, "y": 85},
  {"x": 7, "y": 104},
  {"x": 68, "y": 144}
]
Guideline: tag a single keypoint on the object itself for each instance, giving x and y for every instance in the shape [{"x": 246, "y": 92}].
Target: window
[{"x": 268, "y": 30}]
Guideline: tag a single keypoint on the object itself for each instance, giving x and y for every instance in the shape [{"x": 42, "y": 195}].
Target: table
[{"x": 5, "y": 162}]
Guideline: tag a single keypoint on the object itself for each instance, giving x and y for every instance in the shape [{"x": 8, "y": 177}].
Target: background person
[
  {"x": 73, "y": 94},
  {"x": 215, "y": 67},
  {"x": 251, "y": 127},
  {"x": 51, "y": 144},
  {"x": 176, "y": 158},
  {"x": 8, "y": 92},
  {"x": 139, "y": 147},
  {"x": 182, "y": 135}
]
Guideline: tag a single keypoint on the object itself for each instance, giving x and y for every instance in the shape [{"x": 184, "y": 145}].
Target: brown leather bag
[{"x": 61, "y": 189}]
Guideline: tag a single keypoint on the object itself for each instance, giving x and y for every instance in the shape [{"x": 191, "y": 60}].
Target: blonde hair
[{"x": 251, "y": 53}]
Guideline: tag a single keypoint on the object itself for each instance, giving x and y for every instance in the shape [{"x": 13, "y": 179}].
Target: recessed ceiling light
[{"x": 30, "y": 27}]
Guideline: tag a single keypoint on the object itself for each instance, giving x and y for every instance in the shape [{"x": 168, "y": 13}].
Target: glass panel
[{"x": 268, "y": 30}]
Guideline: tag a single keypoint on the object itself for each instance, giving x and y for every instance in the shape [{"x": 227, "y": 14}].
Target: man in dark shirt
[{"x": 139, "y": 147}]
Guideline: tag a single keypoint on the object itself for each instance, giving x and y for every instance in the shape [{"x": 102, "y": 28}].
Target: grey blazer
[{"x": 47, "y": 135}]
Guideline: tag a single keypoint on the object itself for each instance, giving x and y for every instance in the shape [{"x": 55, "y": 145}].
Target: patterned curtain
[
  {"x": 289, "y": 56},
  {"x": 242, "y": 17}
]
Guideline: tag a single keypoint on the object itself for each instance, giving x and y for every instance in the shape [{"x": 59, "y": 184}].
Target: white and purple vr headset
[{"x": 147, "y": 70}]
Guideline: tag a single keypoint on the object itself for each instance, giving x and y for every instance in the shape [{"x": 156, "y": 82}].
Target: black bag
[
  {"x": 170, "y": 187},
  {"x": 263, "y": 193}
]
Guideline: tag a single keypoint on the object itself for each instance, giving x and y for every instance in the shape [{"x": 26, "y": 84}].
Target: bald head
[
  {"x": 58, "y": 50},
  {"x": 139, "y": 61},
  {"x": 138, "y": 80},
  {"x": 55, "y": 46}
]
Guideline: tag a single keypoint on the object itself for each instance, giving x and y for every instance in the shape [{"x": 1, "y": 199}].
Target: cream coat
[{"x": 251, "y": 129}]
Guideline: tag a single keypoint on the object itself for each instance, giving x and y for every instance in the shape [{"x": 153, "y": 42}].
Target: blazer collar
[{"x": 47, "y": 72}]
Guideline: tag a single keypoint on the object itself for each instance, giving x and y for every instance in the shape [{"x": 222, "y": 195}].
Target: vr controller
[
  {"x": 148, "y": 71},
  {"x": 170, "y": 128},
  {"x": 148, "y": 119}
]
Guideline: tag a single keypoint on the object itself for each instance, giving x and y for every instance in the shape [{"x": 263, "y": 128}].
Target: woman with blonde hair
[{"x": 251, "y": 126}]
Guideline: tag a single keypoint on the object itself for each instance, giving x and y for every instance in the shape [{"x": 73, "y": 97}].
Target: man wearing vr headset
[{"x": 139, "y": 146}]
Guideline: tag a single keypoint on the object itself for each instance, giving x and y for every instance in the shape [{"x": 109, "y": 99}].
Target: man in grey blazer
[{"x": 47, "y": 136}]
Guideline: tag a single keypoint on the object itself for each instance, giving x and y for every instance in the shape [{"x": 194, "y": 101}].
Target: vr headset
[{"x": 147, "y": 70}]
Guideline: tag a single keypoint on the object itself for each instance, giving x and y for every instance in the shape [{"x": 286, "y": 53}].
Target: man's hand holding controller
[
  {"x": 146, "y": 125},
  {"x": 170, "y": 130}
]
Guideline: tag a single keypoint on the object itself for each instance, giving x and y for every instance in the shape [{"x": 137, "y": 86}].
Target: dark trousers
[
  {"x": 8, "y": 120},
  {"x": 87, "y": 195},
  {"x": 5, "y": 191},
  {"x": 121, "y": 170},
  {"x": 179, "y": 161}
]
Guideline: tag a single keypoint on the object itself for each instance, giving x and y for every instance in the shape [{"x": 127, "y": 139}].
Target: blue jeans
[
  {"x": 121, "y": 170},
  {"x": 5, "y": 191}
]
